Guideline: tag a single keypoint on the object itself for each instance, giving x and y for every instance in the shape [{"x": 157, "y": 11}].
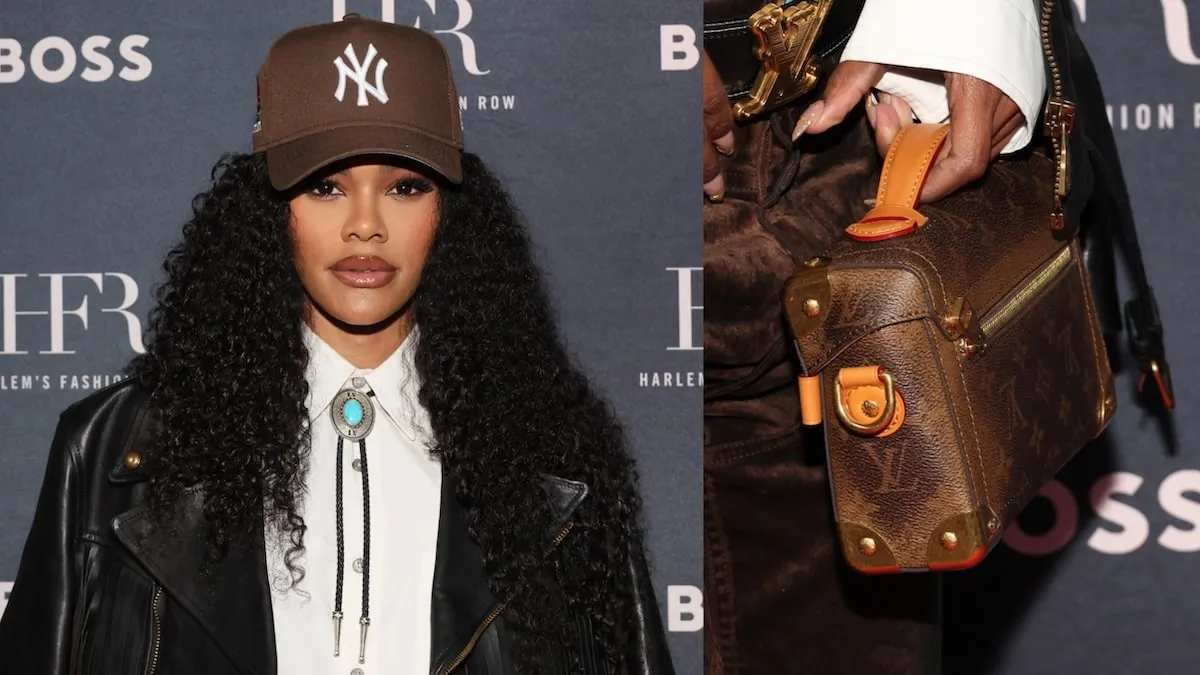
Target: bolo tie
[{"x": 353, "y": 414}]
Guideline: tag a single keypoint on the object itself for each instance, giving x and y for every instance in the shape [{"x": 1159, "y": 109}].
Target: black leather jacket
[{"x": 97, "y": 594}]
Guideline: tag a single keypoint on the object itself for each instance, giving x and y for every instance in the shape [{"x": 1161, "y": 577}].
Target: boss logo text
[
  {"x": 685, "y": 609},
  {"x": 678, "y": 47},
  {"x": 55, "y": 59},
  {"x": 1124, "y": 528}
]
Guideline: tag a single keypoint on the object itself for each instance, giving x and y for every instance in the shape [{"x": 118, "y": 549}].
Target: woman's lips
[{"x": 369, "y": 272}]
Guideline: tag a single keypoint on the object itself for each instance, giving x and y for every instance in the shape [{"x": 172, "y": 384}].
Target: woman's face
[{"x": 362, "y": 237}]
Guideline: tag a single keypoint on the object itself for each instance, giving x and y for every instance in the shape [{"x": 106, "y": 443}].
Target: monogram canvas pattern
[{"x": 983, "y": 431}]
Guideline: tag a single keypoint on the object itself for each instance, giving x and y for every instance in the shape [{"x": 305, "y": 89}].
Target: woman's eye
[
  {"x": 412, "y": 186},
  {"x": 325, "y": 188}
]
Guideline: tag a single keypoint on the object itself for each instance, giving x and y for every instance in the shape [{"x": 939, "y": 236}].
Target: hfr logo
[
  {"x": 1176, "y": 26},
  {"x": 464, "y": 11},
  {"x": 357, "y": 72},
  {"x": 688, "y": 310},
  {"x": 11, "y": 316}
]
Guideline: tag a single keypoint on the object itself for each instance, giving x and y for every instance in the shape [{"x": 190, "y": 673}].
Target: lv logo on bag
[{"x": 960, "y": 377}]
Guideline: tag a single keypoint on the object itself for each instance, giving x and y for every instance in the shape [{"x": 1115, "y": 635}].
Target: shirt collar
[{"x": 394, "y": 382}]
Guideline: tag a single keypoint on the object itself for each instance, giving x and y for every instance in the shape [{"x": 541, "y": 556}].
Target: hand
[
  {"x": 718, "y": 130},
  {"x": 982, "y": 120}
]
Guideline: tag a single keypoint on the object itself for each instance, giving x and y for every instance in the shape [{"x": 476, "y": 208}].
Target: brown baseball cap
[{"x": 356, "y": 87}]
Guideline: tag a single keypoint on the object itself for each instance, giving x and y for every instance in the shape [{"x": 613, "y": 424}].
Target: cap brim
[{"x": 292, "y": 162}]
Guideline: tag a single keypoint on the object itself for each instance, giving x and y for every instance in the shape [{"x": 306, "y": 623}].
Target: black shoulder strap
[
  {"x": 1142, "y": 320},
  {"x": 1099, "y": 185}
]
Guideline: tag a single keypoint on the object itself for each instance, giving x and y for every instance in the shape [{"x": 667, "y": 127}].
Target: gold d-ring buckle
[
  {"x": 889, "y": 406},
  {"x": 785, "y": 38}
]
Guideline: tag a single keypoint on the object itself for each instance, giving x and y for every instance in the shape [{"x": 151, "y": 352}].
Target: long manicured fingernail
[
  {"x": 715, "y": 188},
  {"x": 810, "y": 115},
  {"x": 725, "y": 144},
  {"x": 871, "y": 112}
]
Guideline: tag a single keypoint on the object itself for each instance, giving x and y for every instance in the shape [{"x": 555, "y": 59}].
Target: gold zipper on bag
[
  {"x": 491, "y": 618},
  {"x": 1059, "y": 120},
  {"x": 971, "y": 334},
  {"x": 1004, "y": 312},
  {"x": 960, "y": 322},
  {"x": 153, "y": 666}
]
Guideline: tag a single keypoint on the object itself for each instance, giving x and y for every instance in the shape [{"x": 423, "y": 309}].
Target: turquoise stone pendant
[{"x": 353, "y": 414}]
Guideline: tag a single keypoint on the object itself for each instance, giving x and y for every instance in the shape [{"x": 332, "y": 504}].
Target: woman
[{"x": 352, "y": 338}]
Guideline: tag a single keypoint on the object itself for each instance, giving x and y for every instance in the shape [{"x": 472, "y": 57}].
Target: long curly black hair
[{"x": 506, "y": 404}]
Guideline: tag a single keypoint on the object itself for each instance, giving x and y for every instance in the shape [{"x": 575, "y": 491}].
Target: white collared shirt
[
  {"x": 997, "y": 41},
  {"x": 405, "y": 490}
]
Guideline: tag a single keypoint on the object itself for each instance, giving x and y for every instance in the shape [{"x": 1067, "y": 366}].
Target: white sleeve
[{"x": 997, "y": 41}]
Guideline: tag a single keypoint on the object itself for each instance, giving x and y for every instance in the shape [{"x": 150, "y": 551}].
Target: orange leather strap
[{"x": 904, "y": 170}]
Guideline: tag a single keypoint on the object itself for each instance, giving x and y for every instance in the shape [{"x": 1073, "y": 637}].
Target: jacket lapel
[
  {"x": 462, "y": 599},
  {"x": 232, "y": 602}
]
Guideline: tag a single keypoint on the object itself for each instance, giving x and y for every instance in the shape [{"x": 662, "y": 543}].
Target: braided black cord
[
  {"x": 366, "y": 571},
  {"x": 780, "y": 186},
  {"x": 341, "y": 539}
]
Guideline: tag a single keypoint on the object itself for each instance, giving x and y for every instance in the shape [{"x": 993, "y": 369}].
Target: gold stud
[
  {"x": 867, "y": 546},
  {"x": 993, "y": 525},
  {"x": 812, "y": 307},
  {"x": 132, "y": 459},
  {"x": 949, "y": 541},
  {"x": 871, "y": 408}
]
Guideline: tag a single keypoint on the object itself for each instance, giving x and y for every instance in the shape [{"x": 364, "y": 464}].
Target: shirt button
[
  {"x": 357, "y": 464},
  {"x": 358, "y": 565},
  {"x": 359, "y": 383}
]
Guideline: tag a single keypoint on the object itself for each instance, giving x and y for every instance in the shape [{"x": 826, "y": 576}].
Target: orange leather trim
[
  {"x": 810, "y": 400},
  {"x": 912, "y": 153},
  {"x": 860, "y": 376},
  {"x": 864, "y": 383},
  {"x": 975, "y": 558}
]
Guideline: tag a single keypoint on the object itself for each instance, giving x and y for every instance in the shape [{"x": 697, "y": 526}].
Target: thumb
[{"x": 847, "y": 85}]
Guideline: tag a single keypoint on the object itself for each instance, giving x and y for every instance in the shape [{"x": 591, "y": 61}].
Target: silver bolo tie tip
[
  {"x": 362, "y": 640},
  {"x": 337, "y": 633}
]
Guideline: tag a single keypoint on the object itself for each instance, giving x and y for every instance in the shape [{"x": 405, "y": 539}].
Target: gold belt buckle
[{"x": 785, "y": 38}]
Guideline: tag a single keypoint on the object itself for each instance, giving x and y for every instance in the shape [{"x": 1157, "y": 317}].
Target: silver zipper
[
  {"x": 157, "y": 646},
  {"x": 491, "y": 618}
]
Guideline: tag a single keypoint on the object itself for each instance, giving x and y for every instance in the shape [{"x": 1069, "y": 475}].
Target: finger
[
  {"x": 892, "y": 114},
  {"x": 903, "y": 110},
  {"x": 887, "y": 125},
  {"x": 972, "y": 108},
  {"x": 718, "y": 114},
  {"x": 1004, "y": 134},
  {"x": 967, "y": 161},
  {"x": 869, "y": 104},
  {"x": 714, "y": 182},
  {"x": 848, "y": 83}
]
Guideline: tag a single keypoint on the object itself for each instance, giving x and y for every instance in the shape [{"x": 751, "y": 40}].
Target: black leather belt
[{"x": 782, "y": 42}]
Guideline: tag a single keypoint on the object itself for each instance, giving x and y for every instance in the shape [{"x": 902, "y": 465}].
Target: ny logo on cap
[{"x": 358, "y": 73}]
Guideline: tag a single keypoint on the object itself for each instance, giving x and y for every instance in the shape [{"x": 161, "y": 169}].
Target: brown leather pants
[{"x": 779, "y": 598}]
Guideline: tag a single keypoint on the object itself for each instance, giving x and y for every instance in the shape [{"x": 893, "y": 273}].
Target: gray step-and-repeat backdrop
[
  {"x": 113, "y": 113},
  {"x": 1102, "y": 576}
]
